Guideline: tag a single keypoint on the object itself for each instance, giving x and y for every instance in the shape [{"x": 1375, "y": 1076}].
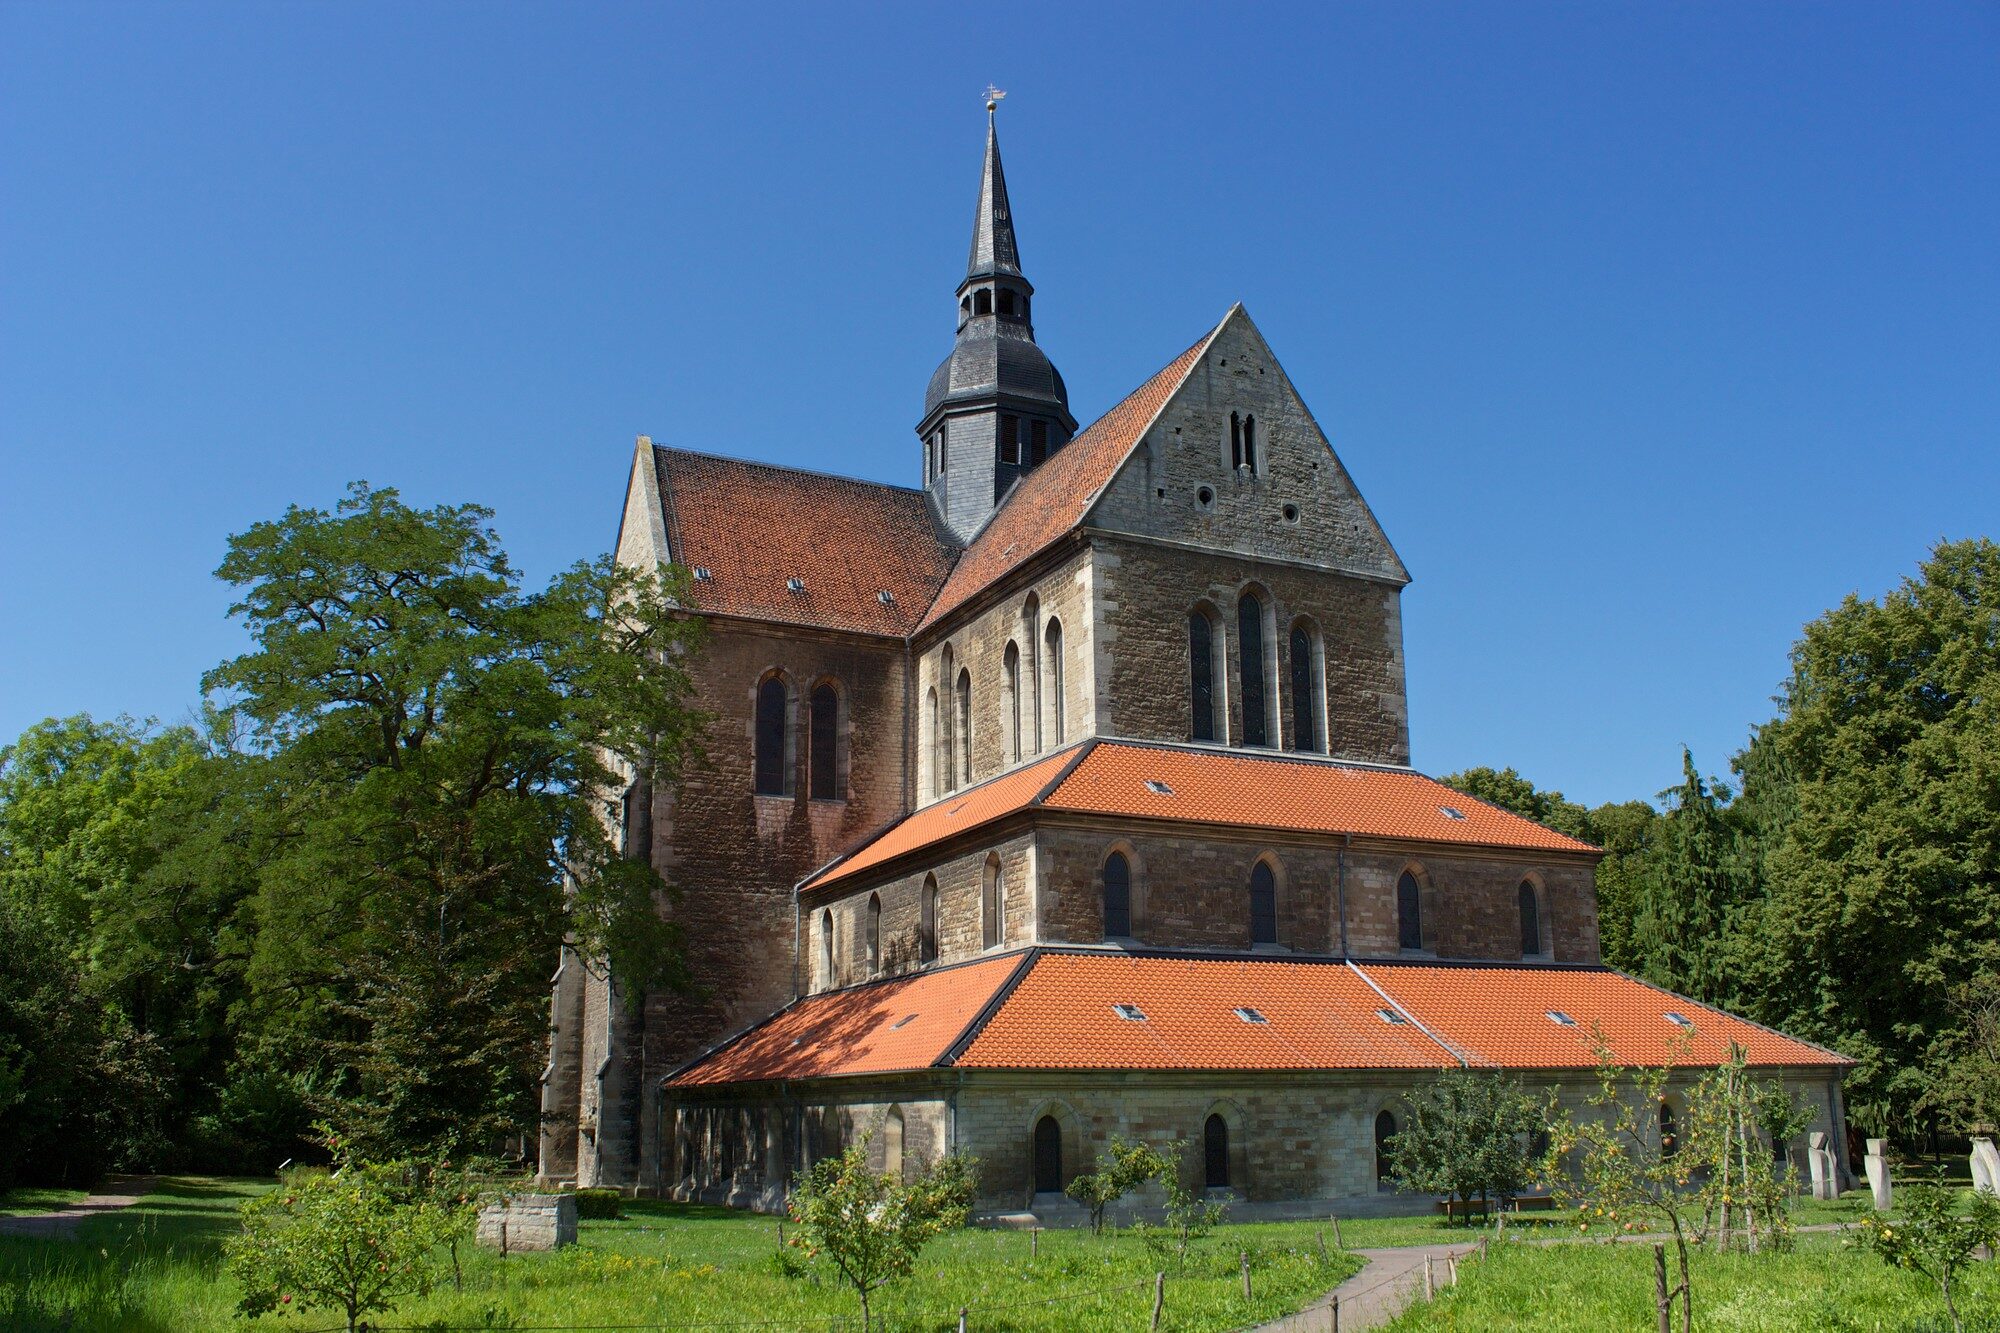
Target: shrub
[
  {"x": 872, "y": 1226},
  {"x": 1932, "y": 1237},
  {"x": 1129, "y": 1166},
  {"x": 599, "y": 1204}
]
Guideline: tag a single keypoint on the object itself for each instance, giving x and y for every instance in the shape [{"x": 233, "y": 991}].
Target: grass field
[
  {"x": 154, "y": 1269},
  {"x": 1819, "y": 1287},
  {"x": 17, "y": 1203}
]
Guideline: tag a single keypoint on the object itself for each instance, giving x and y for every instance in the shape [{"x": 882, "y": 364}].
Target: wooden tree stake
[
  {"x": 1243, "y": 1258},
  {"x": 1430, "y": 1279},
  {"x": 1159, "y": 1299},
  {"x": 1661, "y": 1300}
]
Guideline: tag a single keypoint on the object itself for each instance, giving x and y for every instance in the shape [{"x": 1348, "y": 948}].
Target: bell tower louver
[{"x": 996, "y": 407}]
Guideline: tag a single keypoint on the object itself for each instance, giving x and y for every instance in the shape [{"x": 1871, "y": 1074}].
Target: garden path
[
  {"x": 122, "y": 1192},
  {"x": 1377, "y": 1293}
]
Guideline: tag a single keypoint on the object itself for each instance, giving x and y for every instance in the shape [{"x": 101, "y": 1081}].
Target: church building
[{"x": 1068, "y": 794}]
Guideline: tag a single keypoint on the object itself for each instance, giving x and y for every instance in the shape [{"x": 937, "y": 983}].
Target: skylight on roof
[
  {"x": 702, "y": 573},
  {"x": 1561, "y": 1019},
  {"x": 1158, "y": 788},
  {"x": 1680, "y": 1020},
  {"x": 886, "y": 597},
  {"x": 1391, "y": 1017},
  {"x": 1451, "y": 812},
  {"x": 1249, "y": 1015},
  {"x": 1131, "y": 1012},
  {"x": 795, "y": 584}
]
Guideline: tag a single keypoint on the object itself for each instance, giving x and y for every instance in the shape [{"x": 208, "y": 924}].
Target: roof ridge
[
  {"x": 1083, "y": 750},
  {"x": 787, "y": 467},
  {"x": 1001, "y": 994}
]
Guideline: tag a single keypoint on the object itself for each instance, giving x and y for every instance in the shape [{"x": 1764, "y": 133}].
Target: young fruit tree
[
  {"x": 1467, "y": 1136},
  {"x": 339, "y": 1242},
  {"x": 1933, "y": 1237},
  {"x": 1127, "y": 1166},
  {"x": 870, "y": 1226},
  {"x": 1190, "y": 1213}
]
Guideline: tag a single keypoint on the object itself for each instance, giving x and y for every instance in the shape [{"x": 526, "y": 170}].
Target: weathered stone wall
[
  {"x": 1145, "y": 594},
  {"x": 977, "y": 643},
  {"x": 960, "y": 924},
  {"x": 528, "y": 1222},
  {"x": 562, "y": 1080}
]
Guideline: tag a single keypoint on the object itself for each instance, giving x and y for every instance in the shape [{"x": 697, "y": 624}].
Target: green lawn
[
  {"x": 20, "y": 1202},
  {"x": 1375, "y": 1232},
  {"x": 153, "y": 1269},
  {"x": 1818, "y": 1285}
]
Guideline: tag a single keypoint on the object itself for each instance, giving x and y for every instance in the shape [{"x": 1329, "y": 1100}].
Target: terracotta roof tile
[
  {"x": 1211, "y": 786},
  {"x": 1053, "y": 499},
  {"x": 1318, "y": 1015},
  {"x": 860, "y": 1030},
  {"x": 1500, "y": 1016},
  {"x": 968, "y": 809},
  {"x": 754, "y": 526}
]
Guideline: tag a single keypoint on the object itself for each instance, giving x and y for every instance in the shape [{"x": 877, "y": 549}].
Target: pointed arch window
[
  {"x": 927, "y": 914},
  {"x": 773, "y": 736},
  {"x": 1263, "y": 904},
  {"x": 1250, "y": 668},
  {"x": 1052, "y": 668},
  {"x": 1010, "y": 702},
  {"x": 993, "y": 904},
  {"x": 828, "y": 781},
  {"x": 1031, "y": 674},
  {"x": 1117, "y": 897},
  {"x": 1308, "y": 687},
  {"x": 1531, "y": 920},
  {"x": 933, "y": 742},
  {"x": 826, "y": 950},
  {"x": 892, "y": 1143},
  {"x": 1048, "y": 1156},
  {"x": 874, "y": 933},
  {"x": 1670, "y": 1139},
  {"x": 1409, "y": 912},
  {"x": 1215, "y": 1152},
  {"x": 1250, "y": 443},
  {"x": 1385, "y": 1150},
  {"x": 962, "y": 725},
  {"x": 1235, "y": 440},
  {"x": 1201, "y": 676}
]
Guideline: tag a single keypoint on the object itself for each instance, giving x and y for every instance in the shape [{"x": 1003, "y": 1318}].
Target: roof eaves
[
  {"x": 1834, "y": 1058},
  {"x": 719, "y": 1046}
]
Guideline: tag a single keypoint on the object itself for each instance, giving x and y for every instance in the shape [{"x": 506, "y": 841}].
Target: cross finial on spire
[{"x": 993, "y": 97}]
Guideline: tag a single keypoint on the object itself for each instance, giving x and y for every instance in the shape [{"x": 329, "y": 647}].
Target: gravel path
[{"x": 121, "y": 1192}]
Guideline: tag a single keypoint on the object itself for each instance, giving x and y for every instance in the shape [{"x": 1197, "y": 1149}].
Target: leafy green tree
[
  {"x": 1467, "y": 1135},
  {"x": 1510, "y": 791},
  {"x": 336, "y": 1241},
  {"x": 1190, "y": 1215},
  {"x": 1968, "y": 1088},
  {"x": 1877, "y": 819},
  {"x": 1128, "y": 1165},
  {"x": 1691, "y": 892},
  {"x": 1933, "y": 1236},
  {"x": 433, "y": 788},
  {"x": 872, "y": 1226}
]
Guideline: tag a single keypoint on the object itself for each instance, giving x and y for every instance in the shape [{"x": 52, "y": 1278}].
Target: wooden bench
[{"x": 1526, "y": 1203}]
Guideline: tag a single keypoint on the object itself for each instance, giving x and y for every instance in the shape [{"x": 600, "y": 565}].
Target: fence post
[
  {"x": 503, "y": 1237},
  {"x": 1333, "y": 1310},
  {"x": 961, "y": 1319},
  {"x": 1430, "y": 1279},
  {"x": 1660, "y": 1297},
  {"x": 1321, "y": 1233},
  {"x": 1243, "y": 1259},
  {"x": 1034, "y": 1242},
  {"x": 1336, "y": 1233},
  {"x": 1451, "y": 1270},
  {"x": 1159, "y": 1298}
]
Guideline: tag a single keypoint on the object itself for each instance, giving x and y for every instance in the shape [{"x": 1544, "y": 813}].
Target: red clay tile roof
[
  {"x": 1212, "y": 786},
  {"x": 1057, "y": 1009},
  {"x": 855, "y": 1031},
  {"x": 1052, "y": 500},
  {"x": 1500, "y": 1016},
  {"x": 754, "y": 525},
  {"x": 1319, "y": 1015}
]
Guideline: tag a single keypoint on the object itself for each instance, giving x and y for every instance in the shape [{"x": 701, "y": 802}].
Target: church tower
[{"x": 996, "y": 407}]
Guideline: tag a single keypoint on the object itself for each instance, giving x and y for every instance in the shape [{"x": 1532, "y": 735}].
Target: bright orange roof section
[
  {"x": 882, "y": 1028},
  {"x": 1052, "y": 499},
  {"x": 1317, "y": 1015},
  {"x": 1500, "y": 1016},
  {"x": 1199, "y": 785}
]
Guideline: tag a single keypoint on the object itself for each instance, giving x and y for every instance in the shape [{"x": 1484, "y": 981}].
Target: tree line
[{"x": 1844, "y": 884}]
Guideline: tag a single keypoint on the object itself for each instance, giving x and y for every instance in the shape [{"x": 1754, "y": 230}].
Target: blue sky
[{"x": 1648, "y": 331}]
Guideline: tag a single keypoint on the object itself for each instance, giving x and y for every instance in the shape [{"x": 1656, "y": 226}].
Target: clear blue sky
[{"x": 1649, "y": 331}]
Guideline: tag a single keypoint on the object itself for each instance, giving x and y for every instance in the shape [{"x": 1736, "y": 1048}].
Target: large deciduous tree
[{"x": 441, "y": 757}]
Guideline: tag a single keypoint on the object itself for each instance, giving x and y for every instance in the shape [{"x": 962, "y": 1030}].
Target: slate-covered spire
[
  {"x": 996, "y": 408},
  {"x": 994, "y": 250}
]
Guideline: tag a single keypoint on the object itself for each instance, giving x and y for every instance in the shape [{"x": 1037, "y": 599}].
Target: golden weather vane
[{"x": 993, "y": 96}]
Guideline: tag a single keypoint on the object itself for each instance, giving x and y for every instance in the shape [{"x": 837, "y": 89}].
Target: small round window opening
[
  {"x": 1291, "y": 513},
  {"x": 1204, "y": 499}
]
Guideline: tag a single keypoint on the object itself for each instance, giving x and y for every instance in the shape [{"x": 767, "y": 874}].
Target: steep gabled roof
[
  {"x": 1208, "y": 785},
  {"x": 754, "y": 526},
  {"x": 1055, "y": 1008},
  {"x": 1050, "y": 501}
]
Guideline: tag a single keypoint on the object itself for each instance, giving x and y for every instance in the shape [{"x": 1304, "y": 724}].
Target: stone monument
[
  {"x": 1985, "y": 1166},
  {"x": 1825, "y": 1170},
  {"x": 528, "y": 1222},
  {"x": 1878, "y": 1172}
]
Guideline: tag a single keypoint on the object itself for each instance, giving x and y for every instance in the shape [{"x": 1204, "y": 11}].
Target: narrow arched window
[
  {"x": 1250, "y": 443},
  {"x": 1117, "y": 897},
  {"x": 1263, "y": 904},
  {"x": 1052, "y": 657},
  {"x": 962, "y": 725},
  {"x": 1235, "y": 440},
  {"x": 773, "y": 726},
  {"x": 1670, "y": 1139},
  {"x": 927, "y": 914},
  {"x": 1031, "y": 674},
  {"x": 826, "y": 949},
  {"x": 826, "y": 774},
  {"x": 1385, "y": 1146},
  {"x": 1010, "y": 703},
  {"x": 892, "y": 1143},
  {"x": 931, "y": 745},
  {"x": 1215, "y": 1153},
  {"x": 1306, "y": 688},
  {"x": 874, "y": 933},
  {"x": 1409, "y": 912},
  {"x": 1250, "y": 668},
  {"x": 993, "y": 904},
  {"x": 1201, "y": 677},
  {"x": 982, "y": 302},
  {"x": 1048, "y": 1156},
  {"x": 1531, "y": 920}
]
